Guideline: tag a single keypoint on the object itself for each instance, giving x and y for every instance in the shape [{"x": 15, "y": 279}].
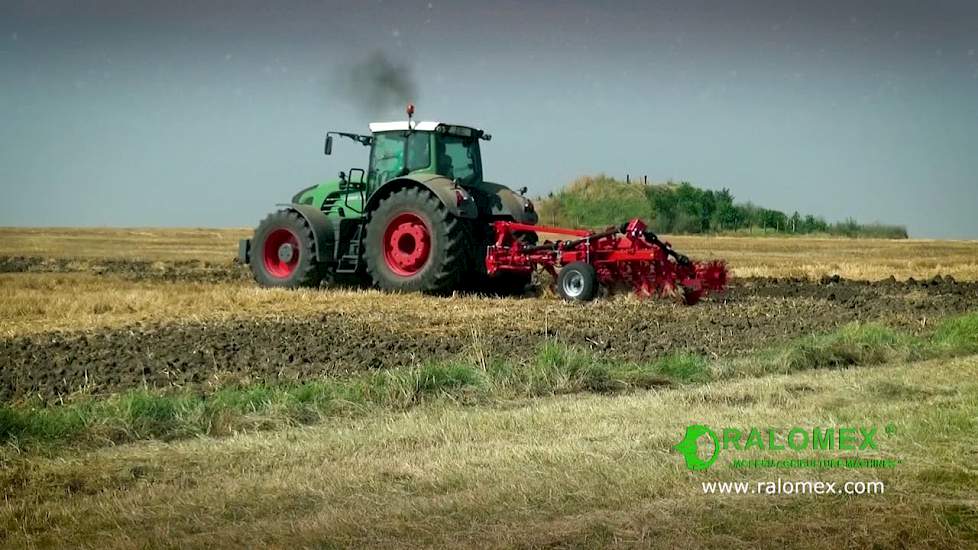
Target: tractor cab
[{"x": 401, "y": 148}]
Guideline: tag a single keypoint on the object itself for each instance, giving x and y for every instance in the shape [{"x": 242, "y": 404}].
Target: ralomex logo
[{"x": 842, "y": 438}]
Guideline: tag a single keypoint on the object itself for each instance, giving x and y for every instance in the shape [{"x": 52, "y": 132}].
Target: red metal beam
[{"x": 516, "y": 226}]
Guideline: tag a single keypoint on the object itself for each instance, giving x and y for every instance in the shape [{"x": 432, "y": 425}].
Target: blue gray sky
[{"x": 208, "y": 113}]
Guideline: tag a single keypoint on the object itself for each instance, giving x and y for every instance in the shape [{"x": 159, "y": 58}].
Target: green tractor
[{"x": 418, "y": 218}]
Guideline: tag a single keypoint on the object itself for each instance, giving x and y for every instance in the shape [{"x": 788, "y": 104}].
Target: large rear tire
[
  {"x": 414, "y": 244},
  {"x": 284, "y": 252}
]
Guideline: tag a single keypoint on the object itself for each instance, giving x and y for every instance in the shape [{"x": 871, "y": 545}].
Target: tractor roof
[
  {"x": 402, "y": 125},
  {"x": 422, "y": 126}
]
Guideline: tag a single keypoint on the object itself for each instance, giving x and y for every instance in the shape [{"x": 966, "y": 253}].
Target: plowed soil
[
  {"x": 182, "y": 270},
  {"x": 755, "y": 313}
]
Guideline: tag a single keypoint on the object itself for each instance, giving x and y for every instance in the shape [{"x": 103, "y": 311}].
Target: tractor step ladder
[{"x": 350, "y": 262}]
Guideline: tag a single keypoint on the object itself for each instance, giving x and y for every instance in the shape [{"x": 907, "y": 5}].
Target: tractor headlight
[{"x": 528, "y": 205}]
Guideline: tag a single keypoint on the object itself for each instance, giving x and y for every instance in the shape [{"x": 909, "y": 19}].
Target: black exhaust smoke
[{"x": 378, "y": 86}]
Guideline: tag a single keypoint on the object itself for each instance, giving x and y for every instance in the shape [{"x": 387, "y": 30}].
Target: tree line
[{"x": 678, "y": 208}]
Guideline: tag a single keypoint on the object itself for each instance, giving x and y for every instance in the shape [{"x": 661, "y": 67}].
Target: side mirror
[{"x": 328, "y": 150}]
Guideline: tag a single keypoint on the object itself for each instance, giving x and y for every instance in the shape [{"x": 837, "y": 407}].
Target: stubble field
[
  {"x": 90, "y": 316},
  {"x": 107, "y": 310}
]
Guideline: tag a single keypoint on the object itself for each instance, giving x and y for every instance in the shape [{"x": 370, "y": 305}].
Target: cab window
[
  {"x": 419, "y": 156},
  {"x": 387, "y": 156},
  {"x": 387, "y": 160},
  {"x": 458, "y": 157}
]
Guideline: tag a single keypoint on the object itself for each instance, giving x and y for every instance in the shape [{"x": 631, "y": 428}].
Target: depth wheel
[
  {"x": 414, "y": 244},
  {"x": 285, "y": 252},
  {"x": 577, "y": 282}
]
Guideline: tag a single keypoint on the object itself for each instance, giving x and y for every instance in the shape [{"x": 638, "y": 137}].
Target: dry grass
[
  {"x": 868, "y": 259},
  {"x": 38, "y": 302},
  {"x": 130, "y": 244},
  {"x": 570, "y": 471},
  {"x": 812, "y": 258}
]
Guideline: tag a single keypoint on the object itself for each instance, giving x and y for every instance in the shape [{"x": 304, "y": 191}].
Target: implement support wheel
[{"x": 577, "y": 282}]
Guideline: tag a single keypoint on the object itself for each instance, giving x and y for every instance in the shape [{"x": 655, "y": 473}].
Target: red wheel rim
[
  {"x": 281, "y": 253},
  {"x": 407, "y": 244}
]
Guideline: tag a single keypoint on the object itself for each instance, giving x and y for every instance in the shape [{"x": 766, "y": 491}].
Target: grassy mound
[{"x": 600, "y": 201}]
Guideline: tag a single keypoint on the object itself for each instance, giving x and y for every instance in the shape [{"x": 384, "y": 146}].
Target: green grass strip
[{"x": 555, "y": 369}]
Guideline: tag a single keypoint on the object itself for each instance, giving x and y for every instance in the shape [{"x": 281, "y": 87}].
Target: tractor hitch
[{"x": 244, "y": 251}]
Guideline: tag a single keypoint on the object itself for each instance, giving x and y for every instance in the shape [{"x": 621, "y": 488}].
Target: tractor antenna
[{"x": 410, "y": 113}]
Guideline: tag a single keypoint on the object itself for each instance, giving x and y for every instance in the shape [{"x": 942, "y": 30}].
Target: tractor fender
[
  {"x": 323, "y": 229},
  {"x": 442, "y": 187},
  {"x": 500, "y": 201}
]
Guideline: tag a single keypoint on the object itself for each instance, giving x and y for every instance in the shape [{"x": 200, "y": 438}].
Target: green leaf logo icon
[{"x": 690, "y": 449}]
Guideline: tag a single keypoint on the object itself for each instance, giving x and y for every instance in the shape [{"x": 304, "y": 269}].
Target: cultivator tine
[
  {"x": 712, "y": 275},
  {"x": 642, "y": 281}
]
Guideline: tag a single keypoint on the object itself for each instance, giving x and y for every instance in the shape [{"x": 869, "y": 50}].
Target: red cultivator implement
[{"x": 626, "y": 255}]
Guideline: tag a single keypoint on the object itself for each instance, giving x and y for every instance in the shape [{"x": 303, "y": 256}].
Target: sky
[{"x": 208, "y": 113}]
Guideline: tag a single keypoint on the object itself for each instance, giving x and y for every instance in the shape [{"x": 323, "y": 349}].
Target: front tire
[
  {"x": 414, "y": 244},
  {"x": 284, "y": 252}
]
